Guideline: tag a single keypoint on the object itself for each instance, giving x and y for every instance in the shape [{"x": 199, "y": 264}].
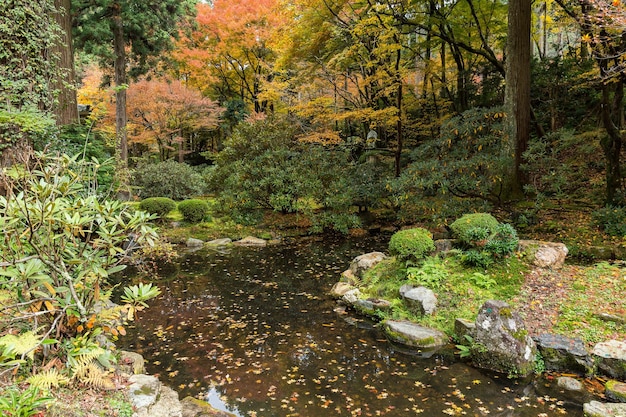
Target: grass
[{"x": 460, "y": 293}]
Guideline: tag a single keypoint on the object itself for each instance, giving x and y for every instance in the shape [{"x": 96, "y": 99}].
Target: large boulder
[
  {"x": 544, "y": 254},
  {"x": 340, "y": 289},
  {"x": 564, "y": 354},
  {"x": 362, "y": 263},
  {"x": 151, "y": 399},
  {"x": 415, "y": 336},
  {"x": 421, "y": 299},
  {"x": 501, "y": 341},
  {"x": 598, "y": 409},
  {"x": 610, "y": 358}
]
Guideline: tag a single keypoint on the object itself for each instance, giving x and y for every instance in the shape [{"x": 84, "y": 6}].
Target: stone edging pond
[{"x": 497, "y": 338}]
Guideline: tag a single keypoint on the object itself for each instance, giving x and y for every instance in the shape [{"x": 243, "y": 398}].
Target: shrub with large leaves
[{"x": 60, "y": 242}]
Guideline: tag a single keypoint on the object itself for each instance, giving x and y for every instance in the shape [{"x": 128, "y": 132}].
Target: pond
[{"x": 253, "y": 332}]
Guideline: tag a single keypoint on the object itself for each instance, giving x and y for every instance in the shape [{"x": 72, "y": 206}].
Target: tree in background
[
  {"x": 66, "y": 110},
  {"x": 167, "y": 114},
  {"x": 127, "y": 34}
]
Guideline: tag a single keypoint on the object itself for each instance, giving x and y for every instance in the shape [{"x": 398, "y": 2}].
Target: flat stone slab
[
  {"x": 194, "y": 243},
  {"x": 570, "y": 384},
  {"x": 225, "y": 241},
  {"x": 372, "y": 305},
  {"x": 562, "y": 353},
  {"x": 143, "y": 390},
  {"x": 413, "y": 335},
  {"x": 610, "y": 356},
  {"x": 598, "y": 409},
  {"x": 251, "y": 241}
]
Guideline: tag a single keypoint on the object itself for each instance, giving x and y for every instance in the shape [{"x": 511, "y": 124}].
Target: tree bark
[
  {"x": 612, "y": 143},
  {"x": 120, "y": 85},
  {"x": 66, "y": 110},
  {"x": 517, "y": 88}
]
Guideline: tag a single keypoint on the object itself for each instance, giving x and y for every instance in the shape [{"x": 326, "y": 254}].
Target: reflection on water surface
[{"x": 254, "y": 333}]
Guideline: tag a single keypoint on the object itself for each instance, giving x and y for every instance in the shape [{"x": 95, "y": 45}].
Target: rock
[
  {"x": 443, "y": 245},
  {"x": 340, "y": 289},
  {"x": 362, "y": 263},
  {"x": 193, "y": 407},
  {"x": 372, "y": 306},
  {"x": 415, "y": 336},
  {"x": 143, "y": 390},
  {"x": 251, "y": 241},
  {"x": 615, "y": 318},
  {"x": 225, "y": 241},
  {"x": 501, "y": 342},
  {"x": 544, "y": 254},
  {"x": 351, "y": 296},
  {"x": 420, "y": 298},
  {"x": 610, "y": 357},
  {"x": 349, "y": 277},
  {"x": 131, "y": 363},
  {"x": 570, "y": 384},
  {"x": 615, "y": 391},
  {"x": 194, "y": 243},
  {"x": 564, "y": 354},
  {"x": 464, "y": 327},
  {"x": 598, "y": 409}
]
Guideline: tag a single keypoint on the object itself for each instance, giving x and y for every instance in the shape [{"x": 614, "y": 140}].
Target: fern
[
  {"x": 48, "y": 379},
  {"x": 22, "y": 344},
  {"x": 91, "y": 374}
]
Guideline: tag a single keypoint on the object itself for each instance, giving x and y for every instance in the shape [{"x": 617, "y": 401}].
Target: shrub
[
  {"x": 467, "y": 228},
  {"x": 160, "y": 206},
  {"x": 193, "y": 210},
  {"x": 611, "y": 219},
  {"x": 167, "y": 179},
  {"x": 504, "y": 242},
  {"x": 411, "y": 244}
]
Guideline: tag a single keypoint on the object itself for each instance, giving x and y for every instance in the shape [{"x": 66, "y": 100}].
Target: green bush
[
  {"x": 160, "y": 206},
  {"x": 411, "y": 245},
  {"x": 611, "y": 219},
  {"x": 503, "y": 242},
  {"x": 167, "y": 179},
  {"x": 194, "y": 210},
  {"x": 471, "y": 227}
]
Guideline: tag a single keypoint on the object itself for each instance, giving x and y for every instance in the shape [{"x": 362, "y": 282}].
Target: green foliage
[
  {"x": 565, "y": 164},
  {"x": 167, "y": 179},
  {"x": 27, "y": 403},
  {"x": 149, "y": 28},
  {"x": 159, "y": 206},
  {"x": 482, "y": 280},
  {"x": 60, "y": 242},
  {"x": 478, "y": 258},
  {"x": 29, "y": 33},
  {"x": 29, "y": 124},
  {"x": 263, "y": 166},
  {"x": 503, "y": 242},
  {"x": 431, "y": 274},
  {"x": 472, "y": 226},
  {"x": 193, "y": 210},
  {"x": 612, "y": 220},
  {"x": 467, "y": 160},
  {"x": 411, "y": 245}
]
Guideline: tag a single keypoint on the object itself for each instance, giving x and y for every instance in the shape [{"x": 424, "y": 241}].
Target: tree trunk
[
  {"x": 612, "y": 142},
  {"x": 517, "y": 88},
  {"x": 399, "y": 105},
  {"x": 66, "y": 111},
  {"x": 120, "y": 85}
]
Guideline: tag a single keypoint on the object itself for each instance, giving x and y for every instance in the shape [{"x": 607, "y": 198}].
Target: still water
[{"x": 253, "y": 332}]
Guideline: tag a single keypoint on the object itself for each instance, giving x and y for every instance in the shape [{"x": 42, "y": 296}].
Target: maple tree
[
  {"x": 168, "y": 115},
  {"x": 229, "y": 55}
]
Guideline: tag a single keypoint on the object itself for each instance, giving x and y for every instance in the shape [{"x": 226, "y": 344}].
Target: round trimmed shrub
[
  {"x": 411, "y": 244},
  {"x": 193, "y": 210},
  {"x": 160, "y": 206},
  {"x": 474, "y": 227}
]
